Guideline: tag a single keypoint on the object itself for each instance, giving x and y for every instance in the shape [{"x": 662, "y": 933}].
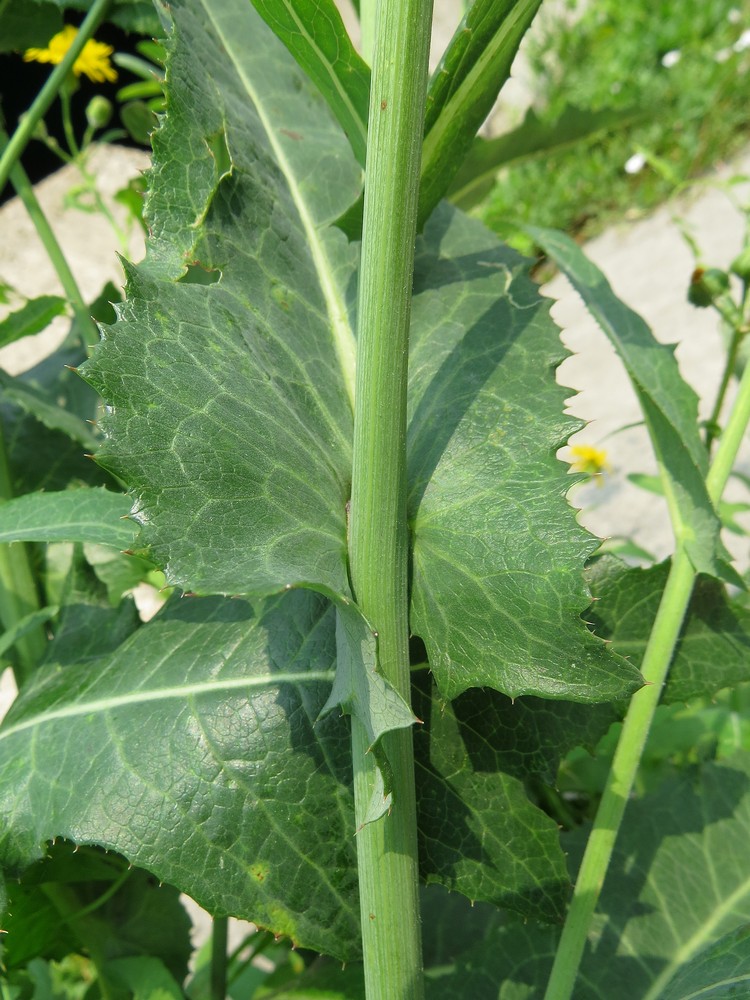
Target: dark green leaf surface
[
  {"x": 33, "y": 316},
  {"x": 502, "y": 849},
  {"x": 496, "y": 594},
  {"x": 314, "y": 33},
  {"x": 670, "y": 406},
  {"x": 533, "y": 137},
  {"x": 196, "y": 752},
  {"x": 137, "y": 16},
  {"x": 679, "y": 880},
  {"x": 713, "y": 651},
  {"x": 464, "y": 88},
  {"x": 721, "y": 972},
  {"x": 80, "y": 515}
]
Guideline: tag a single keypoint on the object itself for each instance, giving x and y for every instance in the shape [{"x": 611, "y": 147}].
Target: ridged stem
[{"x": 387, "y": 849}]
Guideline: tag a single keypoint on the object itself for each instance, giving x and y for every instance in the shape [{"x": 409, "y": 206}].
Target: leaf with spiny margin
[
  {"x": 679, "y": 880},
  {"x": 501, "y": 848},
  {"x": 231, "y": 415},
  {"x": 315, "y": 34},
  {"x": 464, "y": 88},
  {"x": 196, "y": 751},
  {"x": 87, "y": 514},
  {"x": 669, "y": 404},
  {"x": 713, "y": 651},
  {"x": 532, "y": 138},
  {"x": 497, "y": 588}
]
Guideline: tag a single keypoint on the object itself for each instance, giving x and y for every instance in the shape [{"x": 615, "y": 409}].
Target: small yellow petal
[
  {"x": 93, "y": 60},
  {"x": 589, "y": 460}
]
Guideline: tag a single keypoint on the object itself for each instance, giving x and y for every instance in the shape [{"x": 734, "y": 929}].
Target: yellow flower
[
  {"x": 93, "y": 60},
  {"x": 590, "y": 460}
]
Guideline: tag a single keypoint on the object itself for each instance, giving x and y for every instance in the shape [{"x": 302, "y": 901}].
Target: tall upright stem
[{"x": 387, "y": 849}]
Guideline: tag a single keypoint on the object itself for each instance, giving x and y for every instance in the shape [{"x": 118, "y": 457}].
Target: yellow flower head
[
  {"x": 589, "y": 460},
  {"x": 93, "y": 60}
]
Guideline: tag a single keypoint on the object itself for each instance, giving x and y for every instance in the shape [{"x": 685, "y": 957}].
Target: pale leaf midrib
[
  {"x": 343, "y": 337},
  {"x": 180, "y": 692}
]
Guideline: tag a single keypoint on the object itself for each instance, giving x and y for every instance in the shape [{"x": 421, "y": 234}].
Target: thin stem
[
  {"x": 656, "y": 662},
  {"x": 219, "y": 958},
  {"x": 25, "y": 192},
  {"x": 86, "y": 928},
  {"x": 18, "y": 593},
  {"x": 387, "y": 849},
  {"x": 45, "y": 97},
  {"x": 70, "y": 136},
  {"x": 712, "y": 426},
  {"x": 617, "y": 791}
]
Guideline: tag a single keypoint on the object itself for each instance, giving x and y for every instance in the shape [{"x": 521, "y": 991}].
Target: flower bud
[
  {"x": 99, "y": 112},
  {"x": 741, "y": 265},
  {"x": 706, "y": 285}
]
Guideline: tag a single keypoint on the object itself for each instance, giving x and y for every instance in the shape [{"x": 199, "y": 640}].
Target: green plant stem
[
  {"x": 635, "y": 730},
  {"x": 219, "y": 939},
  {"x": 18, "y": 593},
  {"x": 70, "y": 136},
  {"x": 86, "y": 928},
  {"x": 387, "y": 849},
  {"x": 20, "y": 139},
  {"x": 25, "y": 191}
]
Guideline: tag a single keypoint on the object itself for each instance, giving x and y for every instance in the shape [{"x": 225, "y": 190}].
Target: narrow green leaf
[
  {"x": 532, "y": 138},
  {"x": 33, "y": 316},
  {"x": 465, "y": 86},
  {"x": 41, "y": 406},
  {"x": 714, "y": 648},
  {"x": 314, "y": 33},
  {"x": 497, "y": 589},
  {"x": 669, "y": 405},
  {"x": 80, "y": 515}
]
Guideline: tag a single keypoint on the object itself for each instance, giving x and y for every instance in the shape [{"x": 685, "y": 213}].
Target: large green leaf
[
  {"x": 230, "y": 397},
  {"x": 195, "y": 750},
  {"x": 464, "y": 88},
  {"x": 669, "y": 404},
  {"x": 314, "y": 33},
  {"x": 713, "y": 651},
  {"x": 232, "y": 419},
  {"x": 496, "y": 594},
  {"x": 679, "y": 881}
]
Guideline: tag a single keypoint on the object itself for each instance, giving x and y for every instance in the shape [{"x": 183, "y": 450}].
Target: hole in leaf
[
  {"x": 196, "y": 274},
  {"x": 217, "y": 144}
]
